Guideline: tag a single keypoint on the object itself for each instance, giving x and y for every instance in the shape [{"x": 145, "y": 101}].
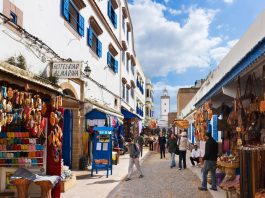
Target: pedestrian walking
[
  {"x": 172, "y": 146},
  {"x": 140, "y": 142},
  {"x": 151, "y": 143},
  {"x": 162, "y": 144},
  {"x": 134, "y": 159},
  {"x": 210, "y": 158},
  {"x": 183, "y": 144},
  {"x": 195, "y": 155}
]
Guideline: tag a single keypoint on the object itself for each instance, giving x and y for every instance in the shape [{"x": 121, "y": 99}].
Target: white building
[
  {"x": 140, "y": 91},
  {"x": 149, "y": 102},
  {"x": 164, "y": 109},
  {"x": 99, "y": 34}
]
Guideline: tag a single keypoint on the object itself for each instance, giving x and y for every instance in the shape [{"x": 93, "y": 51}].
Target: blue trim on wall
[{"x": 257, "y": 51}]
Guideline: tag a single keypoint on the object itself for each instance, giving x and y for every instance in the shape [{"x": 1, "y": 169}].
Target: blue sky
[{"x": 180, "y": 41}]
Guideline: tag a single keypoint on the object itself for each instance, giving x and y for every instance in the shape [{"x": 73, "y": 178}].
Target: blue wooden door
[{"x": 67, "y": 137}]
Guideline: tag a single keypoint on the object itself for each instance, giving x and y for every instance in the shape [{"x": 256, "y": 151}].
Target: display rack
[{"x": 102, "y": 150}]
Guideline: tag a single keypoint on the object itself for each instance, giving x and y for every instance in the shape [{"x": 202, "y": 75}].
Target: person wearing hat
[
  {"x": 134, "y": 153},
  {"x": 195, "y": 155},
  {"x": 183, "y": 144},
  {"x": 210, "y": 158}
]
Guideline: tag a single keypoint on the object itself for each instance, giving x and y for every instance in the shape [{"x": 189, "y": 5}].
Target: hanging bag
[
  {"x": 177, "y": 147},
  {"x": 262, "y": 103}
]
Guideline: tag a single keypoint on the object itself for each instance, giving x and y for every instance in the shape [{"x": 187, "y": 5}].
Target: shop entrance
[{"x": 67, "y": 137}]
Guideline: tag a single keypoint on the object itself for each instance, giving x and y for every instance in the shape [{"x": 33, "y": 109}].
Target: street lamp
[{"x": 87, "y": 71}]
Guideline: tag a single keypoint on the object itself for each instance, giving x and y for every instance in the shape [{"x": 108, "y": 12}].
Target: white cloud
[
  {"x": 174, "y": 12},
  {"x": 165, "y": 46},
  {"x": 172, "y": 90},
  {"x": 219, "y": 53},
  {"x": 229, "y": 1}
]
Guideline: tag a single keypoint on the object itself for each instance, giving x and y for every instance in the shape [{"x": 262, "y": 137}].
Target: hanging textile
[{"x": 252, "y": 171}]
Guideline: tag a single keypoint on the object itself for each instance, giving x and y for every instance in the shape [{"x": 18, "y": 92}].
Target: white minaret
[{"x": 164, "y": 108}]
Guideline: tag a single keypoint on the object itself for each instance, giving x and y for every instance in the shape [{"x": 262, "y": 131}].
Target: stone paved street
[{"x": 160, "y": 181}]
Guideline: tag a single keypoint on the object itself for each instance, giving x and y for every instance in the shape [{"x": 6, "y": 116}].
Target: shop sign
[{"x": 67, "y": 69}]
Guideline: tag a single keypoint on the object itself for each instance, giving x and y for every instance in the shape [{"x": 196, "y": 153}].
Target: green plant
[
  {"x": 11, "y": 61},
  {"x": 21, "y": 62}
]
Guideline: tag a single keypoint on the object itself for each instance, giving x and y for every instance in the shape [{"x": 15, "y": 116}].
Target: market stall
[
  {"x": 30, "y": 127},
  {"x": 242, "y": 127}
]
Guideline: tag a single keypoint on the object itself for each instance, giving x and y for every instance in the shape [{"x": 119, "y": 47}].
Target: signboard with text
[{"x": 67, "y": 69}]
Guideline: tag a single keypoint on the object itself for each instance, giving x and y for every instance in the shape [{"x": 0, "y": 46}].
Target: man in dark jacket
[
  {"x": 210, "y": 158},
  {"x": 162, "y": 143}
]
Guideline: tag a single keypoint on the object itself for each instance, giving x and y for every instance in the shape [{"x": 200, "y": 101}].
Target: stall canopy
[
  {"x": 96, "y": 114},
  {"x": 184, "y": 124},
  {"x": 128, "y": 115}
]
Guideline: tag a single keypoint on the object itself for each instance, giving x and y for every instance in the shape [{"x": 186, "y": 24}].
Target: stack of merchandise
[{"x": 252, "y": 170}]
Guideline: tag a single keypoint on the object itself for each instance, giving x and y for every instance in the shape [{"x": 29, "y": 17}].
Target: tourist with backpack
[{"x": 134, "y": 153}]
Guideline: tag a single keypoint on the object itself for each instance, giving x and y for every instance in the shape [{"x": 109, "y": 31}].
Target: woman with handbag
[
  {"x": 172, "y": 147},
  {"x": 183, "y": 144}
]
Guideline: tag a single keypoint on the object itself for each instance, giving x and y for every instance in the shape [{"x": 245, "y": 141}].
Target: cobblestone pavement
[{"x": 160, "y": 181}]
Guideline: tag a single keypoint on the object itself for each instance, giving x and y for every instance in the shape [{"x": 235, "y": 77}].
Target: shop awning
[
  {"x": 96, "y": 114},
  {"x": 27, "y": 76},
  {"x": 127, "y": 114},
  {"x": 184, "y": 124},
  {"x": 89, "y": 104}
]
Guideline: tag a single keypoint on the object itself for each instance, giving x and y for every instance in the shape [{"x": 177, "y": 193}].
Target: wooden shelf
[
  {"x": 21, "y": 157},
  {"x": 21, "y": 164},
  {"x": 14, "y": 151}
]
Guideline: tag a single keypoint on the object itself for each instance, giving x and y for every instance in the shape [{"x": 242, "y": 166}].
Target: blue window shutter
[
  {"x": 89, "y": 37},
  {"x": 108, "y": 58},
  {"x": 109, "y": 9},
  {"x": 99, "y": 48},
  {"x": 116, "y": 66},
  {"x": 66, "y": 9},
  {"x": 115, "y": 20},
  {"x": 81, "y": 25}
]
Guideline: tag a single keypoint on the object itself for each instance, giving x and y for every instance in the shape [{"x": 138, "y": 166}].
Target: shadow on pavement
[
  {"x": 105, "y": 182},
  {"x": 88, "y": 176}
]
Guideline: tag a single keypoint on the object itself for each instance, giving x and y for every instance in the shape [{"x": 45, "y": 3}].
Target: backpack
[{"x": 136, "y": 152}]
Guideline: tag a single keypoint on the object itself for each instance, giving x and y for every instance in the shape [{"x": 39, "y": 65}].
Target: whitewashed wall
[
  {"x": 128, "y": 75},
  {"x": 43, "y": 19}
]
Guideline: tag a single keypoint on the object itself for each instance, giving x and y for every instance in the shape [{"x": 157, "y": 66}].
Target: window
[
  {"x": 116, "y": 102},
  {"x": 13, "y": 17},
  {"x": 147, "y": 93},
  {"x": 127, "y": 95},
  {"x": 132, "y": 92},
  {"x": 127, "y": 64},
  {"x": 165, "y": 110},
  {"x": 123, "y": 57},
  {"x": 72, "y": 16},
  {"x": 132, "y": 69},
  {"x": 123, "y": 24},
  {"x": 146, "y": 111},
  {"x": 94, "y": 42},
  {"x": 14, "y": 14},
  {"x": 165, "y": 103},
  {"x": 112, "y": 14},
  {"x": 112, "y": 63},
  {"x": 128, "y": 36},
  {"x": 123, "y": 91}
]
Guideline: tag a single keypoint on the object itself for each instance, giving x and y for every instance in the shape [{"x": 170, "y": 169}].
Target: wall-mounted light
[{"x": 87, "y": 71}]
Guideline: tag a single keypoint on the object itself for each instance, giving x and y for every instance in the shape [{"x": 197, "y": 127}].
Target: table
[
  {"x": 22, "y": 186},
  {"x": 46, "y": 188}
]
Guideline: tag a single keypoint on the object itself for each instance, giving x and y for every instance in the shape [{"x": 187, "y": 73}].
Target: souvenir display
[{"x": 23, "y": 128}]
